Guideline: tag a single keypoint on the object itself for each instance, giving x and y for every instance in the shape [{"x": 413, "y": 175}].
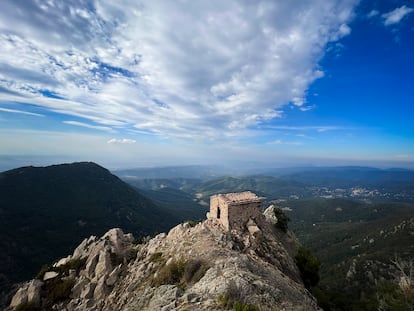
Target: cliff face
[{"x": 190, "y": 268}]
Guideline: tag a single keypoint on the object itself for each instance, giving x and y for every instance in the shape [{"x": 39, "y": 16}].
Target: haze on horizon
[{"x": 159, "y": 83}]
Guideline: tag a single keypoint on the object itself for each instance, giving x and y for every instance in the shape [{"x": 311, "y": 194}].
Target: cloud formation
[
  {"x": 82, "y": 124},
  {"x": 21, "y": 112},
  {"x": 183, "y": 69},
  {"x": 395, "y": 16},
  {"x": 121, "y": 141}
]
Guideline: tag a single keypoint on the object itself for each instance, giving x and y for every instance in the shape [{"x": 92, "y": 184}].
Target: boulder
[
  {"x": 50, "y": 275},
  {"x": 20, "y": 297},
  {"x": 269, "y": 214},
  {"x": 33, "y": 292}
]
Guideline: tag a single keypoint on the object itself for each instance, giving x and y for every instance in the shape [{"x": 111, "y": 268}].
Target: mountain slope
[
  {"x": 356, "y": 243},
  {"x": 190, "y": 268},
  {"x": 46, "y": 211}
]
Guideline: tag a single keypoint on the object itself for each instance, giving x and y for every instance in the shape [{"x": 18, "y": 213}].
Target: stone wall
[
  {"x": 234, "y": 210},
  {"x": 240, "y": 214},
  {"x": 219, "y": 210}
]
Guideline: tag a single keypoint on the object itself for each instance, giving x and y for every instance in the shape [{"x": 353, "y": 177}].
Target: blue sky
[{"x": 269, "y": 83}]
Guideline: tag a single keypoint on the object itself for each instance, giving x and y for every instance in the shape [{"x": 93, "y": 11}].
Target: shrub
[
  {"x": 73, "y": 264},
  {"x": 194, "y": 270},
  {"x": 308, "y": 265},
  {"x": 193, "y": 223},
  {"x": 282, "y": 219},
  {"x": 27, "y": 306},
  {"x": 43, "y": 270},
  {"x": 58, "y": 289},
  {"x": 181, "y": 272},
  {"x": 115, "y": 259},
  {"x": 156, "y": 257},
  {"x": 391, "y": 297},
  {"x": 170, "y": 274},
  {"x": 138, "y": 240},
  {"x": 235, "y": 298}
]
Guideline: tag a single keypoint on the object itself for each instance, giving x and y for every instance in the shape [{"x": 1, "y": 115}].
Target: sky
[{"x": 132, "y": 83}]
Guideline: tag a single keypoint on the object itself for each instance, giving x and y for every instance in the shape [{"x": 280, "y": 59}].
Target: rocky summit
[{"x": 193, "y": 267}]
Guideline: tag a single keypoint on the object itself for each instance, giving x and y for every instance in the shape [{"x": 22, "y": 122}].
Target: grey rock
[
  {"x": 50, "y": 275},
  {"x": 235, "y": 262}
]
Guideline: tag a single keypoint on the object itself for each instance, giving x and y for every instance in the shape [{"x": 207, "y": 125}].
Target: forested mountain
[
  {"x": 357, "y": 244},
  {"x": 46, "y": 211}
]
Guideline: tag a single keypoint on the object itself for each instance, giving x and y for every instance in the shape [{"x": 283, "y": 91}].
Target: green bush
[
  {"x": 308, "y": 265},
  {"x": 58, "y": 289},
  {"x": 234, "y": 299},
  {"x": 181, "y": 272},
  {"x": 226, "y": 302},
  {"x": 193, "y": 223},
  {"x": 27, "y": 306},
  {"x": 138, "y": 240},
  {"x": 239, "y": 306},
  {"x": 391, "y": 297},
  {"x": 282, "y": 219},
  {"x": 43, "y": 270},
  {"x": 156, "y": 258},
  {"x": 171, "y": 273},
  {"x": 73, "y": 264}
]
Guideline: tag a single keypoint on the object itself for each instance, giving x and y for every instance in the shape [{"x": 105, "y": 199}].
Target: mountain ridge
[{"x": 200, "y": 267}]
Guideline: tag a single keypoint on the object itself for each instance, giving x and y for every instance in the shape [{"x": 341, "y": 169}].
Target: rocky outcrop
[{"x": 190, "y": 268}]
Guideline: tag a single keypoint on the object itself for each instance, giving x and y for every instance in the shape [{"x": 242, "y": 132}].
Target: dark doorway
[{"x": 218, "y": 212}]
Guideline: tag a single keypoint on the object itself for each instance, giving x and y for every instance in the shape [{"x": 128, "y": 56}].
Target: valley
[{"x": 356, "y": 231}]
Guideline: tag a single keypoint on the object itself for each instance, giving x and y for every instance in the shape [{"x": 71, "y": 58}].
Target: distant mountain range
[
  {"x": 46, "y": 211},
  {"x": 394, "y": 184}
]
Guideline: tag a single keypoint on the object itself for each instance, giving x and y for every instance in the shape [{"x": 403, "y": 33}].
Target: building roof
[{"x": 239, "y": 197}]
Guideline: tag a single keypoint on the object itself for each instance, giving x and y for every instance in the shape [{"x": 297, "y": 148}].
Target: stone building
[{"x": 235, "y": 210}]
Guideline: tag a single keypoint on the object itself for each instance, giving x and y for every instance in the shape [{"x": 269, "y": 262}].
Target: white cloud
[
  {"x": 176, "y": 69},
  {"x": 373, "y": 13},
  {"x": 21, "y": 112},
  {"x": 121, "y": 141},
  {"x": 281, "y": 142},
  {"x": 322, "y": 128},
  {"x": 94, "y": 127},
  {"x": 395, "y": 16},
  {"x": 307, "y": 108}
]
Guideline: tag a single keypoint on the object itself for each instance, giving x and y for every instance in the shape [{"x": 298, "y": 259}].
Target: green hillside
[
  {"x": 356, "y": 243},
  {"x": 46, "y": 211},
  {"x": 270, "y": 187}
]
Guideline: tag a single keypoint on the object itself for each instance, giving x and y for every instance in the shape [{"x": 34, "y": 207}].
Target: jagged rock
[
  {"x": 162, "y": 298},
  {"x": 20, "y": 297},
  {"x": 91, "y": 265},
  {"x": 33, "y": 292},
  {"x": 113, "y": 276},
  {"x": 101, "y": 289},
  {"x": 83, "y": 248},
  {"x": 79, "y": 286},
  {"x": 50, "y": 275},
  {"x": 252, "y": 227},
  {"x": 255, "y": 266},
  {"x": 28, "y": 293},
  {"x": 104, "y": 266},
  {"x": 269, "y": 213},
  {"x": 62, "y": 261},
  {"x": 88, "y": 291}
]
